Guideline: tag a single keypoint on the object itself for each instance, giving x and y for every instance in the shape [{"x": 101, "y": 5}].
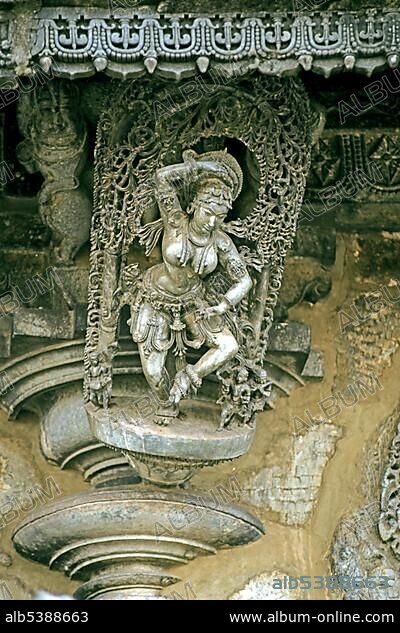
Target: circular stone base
[
  {"x": 127, "y": 539},
  {"x": 168, "y": 454}
]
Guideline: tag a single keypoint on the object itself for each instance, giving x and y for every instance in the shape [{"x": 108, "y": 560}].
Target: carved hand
[
  {"x": 191, "y": 158},
  {"x": 210, "y": 167},
  {"x": 211, "y": 311}
]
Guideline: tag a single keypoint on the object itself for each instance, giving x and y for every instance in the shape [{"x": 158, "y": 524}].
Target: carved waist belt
[
  {"x": 161, "y": 298},
  {"x": 185, "y": 329}
]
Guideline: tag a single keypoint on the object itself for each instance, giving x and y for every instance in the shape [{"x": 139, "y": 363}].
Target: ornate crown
[{"x": 229, "y": 172}]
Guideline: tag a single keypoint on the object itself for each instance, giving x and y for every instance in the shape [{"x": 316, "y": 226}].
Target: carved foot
[
  {"x": 180, "y": 387},
  {"x": 185, "y": 381},
  {"x": 224, "y": 427},
  {"x": 166, "y": 410}
]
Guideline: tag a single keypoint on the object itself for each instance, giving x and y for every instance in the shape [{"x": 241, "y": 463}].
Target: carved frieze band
[
  {"x": 95, "y": 39},
  {"x": 353, "y": 164}
]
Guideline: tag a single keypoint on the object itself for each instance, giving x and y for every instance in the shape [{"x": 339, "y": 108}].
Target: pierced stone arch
[{"x": 146, "y": 126}]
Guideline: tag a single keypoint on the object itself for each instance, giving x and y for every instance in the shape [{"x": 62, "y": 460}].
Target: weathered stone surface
[
  {"x": 366, "y": 540},
  {"x": 315, "y": 366},
  {"x": 358, "y": 553},
  {"x": 378, "y": 253},
  {"x": 44, "y": 323},
  {"x": 262, "y": 588},
  {"x": 5, "y": 335},
  {"x": 292, "y": 491},
  {"x": 315, "y": 241},
  {"x": 21, "y": 485},
  {"x": 67, "y": 440},
  {"x": 293, "y": 337},
  {"x": 20, "y": 223},
  {"x": 304, "y": 280},
  {"x": 5, "y": 559},
  {"x": 370, "y": 332},
  {"x": 13, "y": 588},
  {"x": 124, "y": 529}
]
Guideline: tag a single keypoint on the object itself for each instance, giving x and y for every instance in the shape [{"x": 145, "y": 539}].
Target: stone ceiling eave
[{"x": 80, "y": 42}]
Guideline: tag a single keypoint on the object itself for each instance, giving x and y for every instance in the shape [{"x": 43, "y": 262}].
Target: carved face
[
  {"x": 263, "y": 376},
  {"x": 210, "y": 216},
  {"x": 94, "y": 359},
  {"x": 211, "y": 207}
]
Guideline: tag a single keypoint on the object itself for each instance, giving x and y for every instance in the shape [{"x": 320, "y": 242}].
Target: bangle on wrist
[
  {"x": 189, "y": 158},
  {"x": 228, "y": 305}
]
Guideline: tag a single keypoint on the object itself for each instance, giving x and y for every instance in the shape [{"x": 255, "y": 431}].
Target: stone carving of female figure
[{"x": 173, "y": 307}]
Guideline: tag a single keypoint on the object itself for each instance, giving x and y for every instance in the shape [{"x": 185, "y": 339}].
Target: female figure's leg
[
  {"x": 151, "y": 331},
  {"x": 223, "y": 346},
  {"x": 153, "y": 365}
]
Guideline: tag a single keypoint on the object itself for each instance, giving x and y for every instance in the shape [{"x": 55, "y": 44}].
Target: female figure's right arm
[{"x": 168, "y": 180}]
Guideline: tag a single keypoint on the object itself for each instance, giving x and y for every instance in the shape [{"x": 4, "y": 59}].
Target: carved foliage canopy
[{"x": 145, "y": 126}]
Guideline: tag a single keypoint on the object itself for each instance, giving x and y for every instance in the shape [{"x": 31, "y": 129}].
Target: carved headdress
[{"x": 223, "y": 168}]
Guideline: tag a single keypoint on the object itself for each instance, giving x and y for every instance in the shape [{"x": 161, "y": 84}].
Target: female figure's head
[
  {"x": 242, "y": 375},
  {"x": 219, "y": 184},
  {"x": 211, "y": 206}
]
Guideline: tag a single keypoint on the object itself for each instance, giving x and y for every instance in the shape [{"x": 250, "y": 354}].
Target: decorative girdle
[
  {"x": 124, "y": 44},
  {"x": 206, "y": 292}
]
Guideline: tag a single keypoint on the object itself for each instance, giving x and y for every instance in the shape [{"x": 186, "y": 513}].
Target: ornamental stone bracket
[
  {"x": 73, "y": 42},
  {"x": 48, "y": 381},
  {"x": 133, "y": 560}
]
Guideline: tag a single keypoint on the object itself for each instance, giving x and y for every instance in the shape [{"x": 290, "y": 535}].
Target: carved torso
[{"x": 184, "y": 260}]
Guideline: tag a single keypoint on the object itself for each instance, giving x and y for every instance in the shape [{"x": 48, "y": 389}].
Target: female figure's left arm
[{"x": 236, "y": 270}]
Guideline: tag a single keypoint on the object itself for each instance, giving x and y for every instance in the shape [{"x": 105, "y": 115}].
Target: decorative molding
[
  {"x": 388, "y": 525},
  {"x": 124, "y": 44},
  {"x": 278, "y": 42},
  {"x": 121, "y": 543},
  {"x": 366, "y": 541}
]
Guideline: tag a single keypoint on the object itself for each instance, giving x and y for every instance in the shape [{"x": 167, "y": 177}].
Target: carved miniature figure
[
  {"x": 260, "y": 386},
  {"x": 100, "y": 380},
  {"x": 235, "y": 400},
  {"x": 245, "y": 391},
  {"x": 56, "y": 145}
]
